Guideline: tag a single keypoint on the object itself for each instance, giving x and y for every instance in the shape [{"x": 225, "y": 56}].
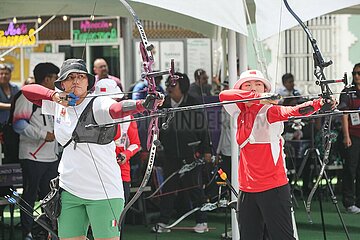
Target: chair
[
  {"x": 3, "y": 204},
  {"x": 10, "y": 176}
]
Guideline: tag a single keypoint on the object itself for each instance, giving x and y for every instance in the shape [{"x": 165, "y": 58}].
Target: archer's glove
[
  {"x": 328, "y": 104},
  {"x": 149, "y": 101},
  {"x": 72, "y": 98}
]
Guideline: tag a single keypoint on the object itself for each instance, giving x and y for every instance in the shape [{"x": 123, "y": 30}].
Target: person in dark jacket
[
  {"x": 200, "y": 87},
  {"x": 184, "y": 129}
]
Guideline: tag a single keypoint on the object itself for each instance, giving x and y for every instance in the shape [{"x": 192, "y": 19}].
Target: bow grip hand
[
  {"x": 328, "y": 104},
  {"x": 270, "y": 98},
  {"x": 72, "y": 98},
  {"x": 65, "y": 99},
  {"x": 121, "y": 158},
  {"x": 153, "y": 99},
  {"x": 275, "y": 97}
]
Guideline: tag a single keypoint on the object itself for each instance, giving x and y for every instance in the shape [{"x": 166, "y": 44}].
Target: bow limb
[
  {"x": 323, "y": 163},
  {"x": 205, "y": 207},
  {"x": 182, "y": 218},
  {"x": 144, "y": 181}
]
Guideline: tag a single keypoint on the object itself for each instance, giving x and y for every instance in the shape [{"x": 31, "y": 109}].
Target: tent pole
[{"x": 234, "y": 146}]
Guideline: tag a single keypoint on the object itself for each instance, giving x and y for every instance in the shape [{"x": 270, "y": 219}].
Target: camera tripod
[{"x": 314, "y": 153}]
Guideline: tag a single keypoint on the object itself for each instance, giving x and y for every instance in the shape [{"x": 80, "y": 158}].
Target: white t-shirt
[{"x": 84, "y": 169}]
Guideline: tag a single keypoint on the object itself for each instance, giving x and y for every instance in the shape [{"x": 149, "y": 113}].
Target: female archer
[
  {"x": 265, "y": 199},
  {"x": 89, "y": 173}
]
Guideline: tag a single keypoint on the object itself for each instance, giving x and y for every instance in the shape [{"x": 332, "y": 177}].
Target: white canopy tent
[
  {"x": 272, "y": 15},
  {"x": 223, "y": 17},
  {"x": 201, "y": 16}
]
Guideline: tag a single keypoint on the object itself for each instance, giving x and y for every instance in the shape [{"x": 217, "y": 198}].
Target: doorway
[{"x": 111, "y": 54}]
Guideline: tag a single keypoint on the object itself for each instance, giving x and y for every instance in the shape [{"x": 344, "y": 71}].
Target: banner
[
  {"x": 99, "y": 31},
  {"x": 21, "y": 33}
]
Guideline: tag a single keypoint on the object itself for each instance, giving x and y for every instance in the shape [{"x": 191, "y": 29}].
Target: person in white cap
[
  {"x": 265, "y": 202},
  {"x": 127, "y": 140}
]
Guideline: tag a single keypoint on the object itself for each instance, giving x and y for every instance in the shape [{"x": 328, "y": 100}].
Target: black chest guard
[{"x": 98, "y": 135}]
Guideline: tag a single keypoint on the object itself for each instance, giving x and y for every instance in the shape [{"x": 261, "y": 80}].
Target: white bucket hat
[
  {"x": 253, "y": 75},
  {"x": 108, "y": 87}
]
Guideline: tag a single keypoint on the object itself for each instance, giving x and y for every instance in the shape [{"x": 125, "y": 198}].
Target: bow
[
  {"x": 320, "y": 64},
  {"x": 153, "y": 130},
  {"x": 15, "y": 199}
]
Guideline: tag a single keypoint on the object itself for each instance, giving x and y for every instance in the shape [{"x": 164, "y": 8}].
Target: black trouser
[
  {"x": 351, "y": 174},
  {"x": 126, "y": 186},
  {"x": 191, "y": 180},
  {"x": 271, "y": 208},
  {"x": 36, "y": 180}
]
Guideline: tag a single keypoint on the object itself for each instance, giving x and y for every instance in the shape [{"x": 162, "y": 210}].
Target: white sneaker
[
  {"x": 29, "y": 237},
  {"x": 353, "y": 209},
  {"x": 160, "y": 228},
  {"x": 201, "y": 228},
  {"x": 228, "y": 234}
]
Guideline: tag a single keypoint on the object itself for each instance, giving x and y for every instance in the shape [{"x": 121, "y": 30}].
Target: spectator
[
  {"x": 140, "y": 89},
  {"x": 175, "y": 140},
  {"x": 200, "y": 87},
  {"x": 101, "y": 71},
  {"x": 217, "y": 81},
  {"x": 36, "y": 129},
  {"x": 7, "y": 92},
  {"x": 29, "y": 80},
  {"x": 288, "y": 90},
  {"x": 351, "y": 133}
]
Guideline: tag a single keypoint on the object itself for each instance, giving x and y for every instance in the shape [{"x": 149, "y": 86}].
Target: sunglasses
[
  {"x": 356, "y": 72},
  {"x": 200, "y": 72},
  {"x": 170, "y": 84}
]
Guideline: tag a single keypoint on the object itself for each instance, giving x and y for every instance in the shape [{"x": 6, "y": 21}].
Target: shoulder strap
[
  {"x": 82, "y": 115},
  {"x": 12, "y": 107},
  {"x": 34, "y": 107}
]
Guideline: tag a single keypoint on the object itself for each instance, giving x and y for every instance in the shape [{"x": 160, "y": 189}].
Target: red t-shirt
[{"x": 132, "y": 137}]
